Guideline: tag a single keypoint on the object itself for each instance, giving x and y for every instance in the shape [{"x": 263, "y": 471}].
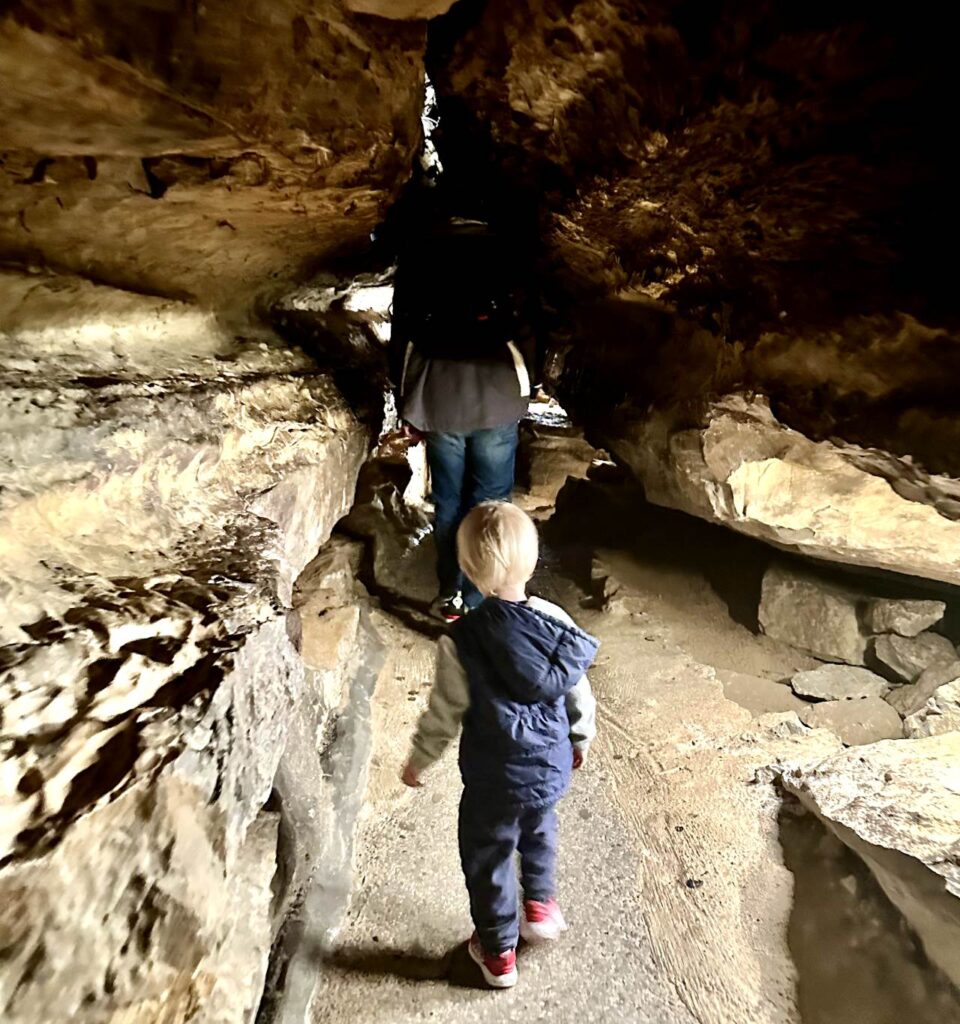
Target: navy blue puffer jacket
[{"x": 520, "y": 665}]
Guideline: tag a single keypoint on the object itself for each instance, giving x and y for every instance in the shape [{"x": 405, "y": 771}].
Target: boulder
[
  {"x": 908, "y": 657},
  {"x": 904, "y": 617},
  {"x": 805, "y": 612},
  {"x": 909, "y": 699},
  {"x": 742, "y": 468},
  {"x": 839, "y": 682},
  {"x": 759, "y": 696},
  {"x": 898, "y": 806},
  {"x": 855, "y": 722},
  {"x": 939, "y": 715}
]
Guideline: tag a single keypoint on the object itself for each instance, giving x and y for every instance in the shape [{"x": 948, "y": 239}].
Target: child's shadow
[{"x": 454, "y": 967}]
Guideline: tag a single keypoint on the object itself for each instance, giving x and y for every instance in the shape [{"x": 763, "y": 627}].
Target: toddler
[{"x": 512, "y": 674}]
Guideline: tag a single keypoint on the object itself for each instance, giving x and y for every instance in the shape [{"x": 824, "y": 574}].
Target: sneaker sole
[
  {"x": 538, "y": 932},
  {"x": 493, "y": 980}
]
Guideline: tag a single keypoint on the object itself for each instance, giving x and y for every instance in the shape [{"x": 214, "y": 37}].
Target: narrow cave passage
[{"x": 715, "y": 235}]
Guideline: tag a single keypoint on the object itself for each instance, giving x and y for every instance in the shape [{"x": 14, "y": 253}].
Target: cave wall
[
  {"x": 731, "y": 195},
  {"x": 207, "y": 152},
  {"x": 182, "y": 739}
]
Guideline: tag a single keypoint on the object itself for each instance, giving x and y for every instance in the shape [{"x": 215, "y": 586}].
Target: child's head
[{"x": 498, "y": 547}]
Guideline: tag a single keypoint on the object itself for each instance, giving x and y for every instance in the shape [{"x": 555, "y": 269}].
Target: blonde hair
[{"x": 497, "y": 546}]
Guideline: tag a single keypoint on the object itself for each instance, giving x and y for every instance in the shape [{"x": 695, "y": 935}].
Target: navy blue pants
[
  {"x": 489, "y": 837},
  {"x": 466, "y": 469}
]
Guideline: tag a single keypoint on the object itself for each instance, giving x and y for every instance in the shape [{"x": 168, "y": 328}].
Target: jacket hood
[{"x": 537, "y": 657}]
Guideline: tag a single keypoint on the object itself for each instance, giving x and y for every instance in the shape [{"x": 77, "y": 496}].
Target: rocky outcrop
[
  {"x": 164, "y": 484},
  {"x": 741, "y": 467},
  {"x": 722, "y": 193},
  {"x": 897, "y": 804},
  {"x": 204, "y": 156}
]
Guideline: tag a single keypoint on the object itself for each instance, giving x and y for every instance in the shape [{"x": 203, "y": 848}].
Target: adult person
[{"x": 464, "y": 367}]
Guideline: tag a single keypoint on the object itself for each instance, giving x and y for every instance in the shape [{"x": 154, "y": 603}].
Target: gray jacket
[
  {"x": 450, "y": 698},
  {"x": 460, "y": 396}
]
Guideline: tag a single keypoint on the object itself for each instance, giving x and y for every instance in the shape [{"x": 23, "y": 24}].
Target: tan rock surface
[
  {"x": 855, "y": 722},
  {"x": 898, "y": 805}
]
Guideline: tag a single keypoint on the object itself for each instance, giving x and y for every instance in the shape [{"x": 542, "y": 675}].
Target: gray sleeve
[
  {"x": 582, "y": 712},
  {"x": 449, "y": 700}
]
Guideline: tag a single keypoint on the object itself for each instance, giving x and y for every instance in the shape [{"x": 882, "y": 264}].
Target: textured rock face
[
  {"x": 838, "y": 682},
  {"x": 739, "y": 466},
  {"x": 910, "y": 699},
  {"x": 212, "y": 156},
  {"x": 905, "y": 618},
  {"x": 802, "y": 611},
  {"x": 898, "y": 805},
  {"x": 855, "y": 721},
  {"x": 909, "y": 657},
  {"x": 722, "y": 191},
  {"x": 164, "y": 484}
]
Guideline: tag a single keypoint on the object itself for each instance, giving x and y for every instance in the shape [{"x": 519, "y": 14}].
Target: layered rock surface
[
  {"x": 165, "y": 483},
  {"x": 898, "y": 805},
  {"x": 212, "y": 156},
  {"x": 739, "y": 466}
]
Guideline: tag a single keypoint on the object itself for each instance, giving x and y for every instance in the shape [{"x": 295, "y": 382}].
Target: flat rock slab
[
  {"x": 805, "y": 612},
  {"x": 910, "y": 699},
  {"x": 855, "y": 722},
  {"x": 839, "y": 682},
  {"x": 940, "y": 714},
  {"x": 906, "y": 618},
  {"x": 908, "y": 657},
  {"x": 759, "y": 696},
  {"x": 898, "y": 806}
]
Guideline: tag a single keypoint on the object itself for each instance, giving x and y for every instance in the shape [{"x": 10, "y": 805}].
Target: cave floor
[{"x": 672, "y": 872}]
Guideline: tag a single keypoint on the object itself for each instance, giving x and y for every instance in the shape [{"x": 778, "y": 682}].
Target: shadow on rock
[{"x": 454, "y": 967}]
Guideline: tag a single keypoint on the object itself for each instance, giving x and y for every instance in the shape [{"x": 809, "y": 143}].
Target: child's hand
[
  {"x": 410, "y": 776},
  {"x": 577, "y": 758}
]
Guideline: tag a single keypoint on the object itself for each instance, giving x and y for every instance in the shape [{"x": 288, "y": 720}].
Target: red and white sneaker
[
  {"x": 541, "y": 922},
  {"x": 499, "y": 969}
]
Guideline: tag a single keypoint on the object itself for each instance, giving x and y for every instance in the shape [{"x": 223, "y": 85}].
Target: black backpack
[{"x": 452, "y": 293}]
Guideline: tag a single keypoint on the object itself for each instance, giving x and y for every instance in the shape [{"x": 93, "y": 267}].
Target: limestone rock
[
  {"x": 548, "y": 457},
  {"x": 911, "y": 698},
  {"x": 940, "y": 714},
  {"x": 212, "y": 167},
  {"x": 908, "y": 657},
  {"x": 802, "y": 610},
  {"x": 904, "y": 617},
  {"x": 839, "y": 682},
  {"x": 857, "y": 721},
  {"x": 409, "y": 10},
  {"x": 898, "y": 806},
  {"x": 759, "y": 696},
  {"x": 744, "y": 469}
]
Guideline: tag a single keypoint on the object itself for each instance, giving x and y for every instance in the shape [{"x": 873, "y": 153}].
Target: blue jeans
[
  {"x": 466, "y": 469},
  {"x": 489, "y": 835}
]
